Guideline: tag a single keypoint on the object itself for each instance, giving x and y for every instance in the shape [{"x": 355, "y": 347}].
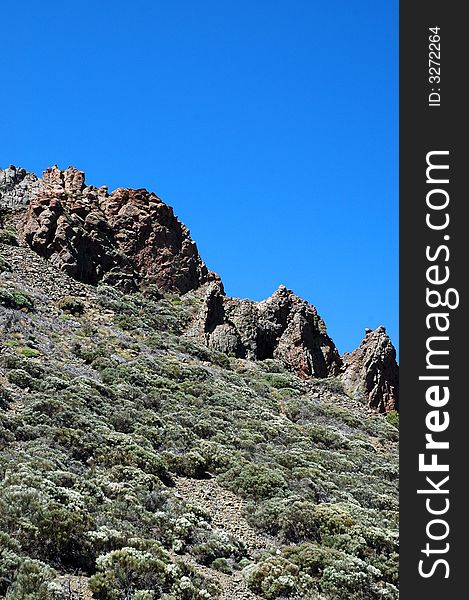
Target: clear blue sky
[{"x": 271, "y": 127}]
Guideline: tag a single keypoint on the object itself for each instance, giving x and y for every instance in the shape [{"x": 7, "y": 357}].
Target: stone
[
  {"x": 128, "y": 238},
  {"x": 17, "y": 188},
  {"x": 371, "y": 373},
  {"x": 282, "y": 327}
]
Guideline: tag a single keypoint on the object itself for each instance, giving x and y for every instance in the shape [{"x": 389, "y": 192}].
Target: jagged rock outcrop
[
  {"x": 132, "y": 239},
  {"x": 371, "y": 373},
  {"x": 283, "y": 327},
  {"x": 129, "y": 238},
  {"x": 17, "y": 188}
]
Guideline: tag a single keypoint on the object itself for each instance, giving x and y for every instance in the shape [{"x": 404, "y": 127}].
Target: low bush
[
  {"x": 222, "y": 565},
  {"x": 72, "y": 305},
  {"x": 190, "y": 464},
  {"x": 32, "y": 579},
  {"x": 354, "y": 578},
  {"x": 8, "y": 237},
  {"x": 217, "y": 546},
  {"x": 254, "y": 481},
  {"x": 16, "y": 300},
  {"x": 274, "y": 577},
  {"x": 21, "y": 378}
]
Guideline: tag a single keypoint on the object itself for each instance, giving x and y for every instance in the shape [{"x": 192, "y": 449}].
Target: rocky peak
[
  {"x": 17, "y": 188},
  {"x": 371, "y": 373},
  {"x": 283, "y": 327},
  {"x": 132, "y": 239},
  {"x": 129, "y": 238},
  {"x": 71, "y": 181}
]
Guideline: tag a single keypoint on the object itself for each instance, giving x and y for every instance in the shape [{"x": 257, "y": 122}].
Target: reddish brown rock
[
  {"x": 129, "y": 237},
  {"x": 371, "y": 373},
  {"x": 283, "y": 327}
]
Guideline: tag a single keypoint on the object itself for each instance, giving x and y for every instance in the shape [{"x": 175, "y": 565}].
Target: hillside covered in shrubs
[{"x": 140, "y": 461}]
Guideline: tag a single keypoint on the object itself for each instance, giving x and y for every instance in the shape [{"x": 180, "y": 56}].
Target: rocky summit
[
  {"x": 129, "y": 238},
  {"x": 160, "y": 439},
  {"x": 283, "y": 327}
]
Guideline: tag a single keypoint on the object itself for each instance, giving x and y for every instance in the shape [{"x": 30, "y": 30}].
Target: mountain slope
[{"x": 138, "y": 460}]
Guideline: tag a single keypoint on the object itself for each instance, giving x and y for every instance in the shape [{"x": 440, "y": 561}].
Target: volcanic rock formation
[
  {"x": 129, "y": 237},
  {"x": 17, "y": 188},
  {"x": 132, "y": 239},
  {"x": 283, "y": 327},
  {"x": 371, "y": 372}
]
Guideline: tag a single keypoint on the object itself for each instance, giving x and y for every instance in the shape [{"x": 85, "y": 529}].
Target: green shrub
[
  {"x": 5, "y": 397},
  {"x": 122, "y": 573},
  {"x": 332, "y": 384},
  {"x": 62, "y": 535},
  {"x": 8, "y": 237},
  {"x": 311, "y": 559},
  {"x": 33, "y": 580},
  {"x": 274, "y": 577},
  {"x": 392, "y": 417},
  {"x": 222, "y": 565},
  {"x": 72, "y": 305},
  {"x": 304, "y": 520},
  {"x": 283, "y": 380},
  {"x": 13, "y": 361},
  {"x": 190, "y": 464},
  {"x": 21, "y": 378},
  {"x": 354, "y": 578},
  {"x": 144, "y": 573},
  {"x": 300, "y": 520},
  {"x": 16, "y": 300},
  {"x": 210, "y": 546},
  {"x": 254, "y": 481}
]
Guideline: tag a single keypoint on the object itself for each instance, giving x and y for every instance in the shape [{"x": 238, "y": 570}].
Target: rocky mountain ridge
[
  {"x": 157, "y": 443},
  {"x": 132, "y": 240}
]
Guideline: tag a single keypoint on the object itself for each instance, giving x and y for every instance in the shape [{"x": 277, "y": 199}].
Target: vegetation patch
[
  {"x": 16, "y": 299},
  {"x": 100, "y": 414}
]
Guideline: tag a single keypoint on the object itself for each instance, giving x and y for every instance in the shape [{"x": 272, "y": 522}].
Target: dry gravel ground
[
  {"x": 225, "y": 508},
  {"x": 227, "y": 513}
]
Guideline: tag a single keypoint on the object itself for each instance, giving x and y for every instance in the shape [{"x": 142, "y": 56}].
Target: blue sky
[{"x": 271, "y": 127}]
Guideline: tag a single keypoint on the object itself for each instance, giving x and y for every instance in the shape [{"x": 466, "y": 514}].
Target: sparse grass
[{"x": 29, "y": 352}]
